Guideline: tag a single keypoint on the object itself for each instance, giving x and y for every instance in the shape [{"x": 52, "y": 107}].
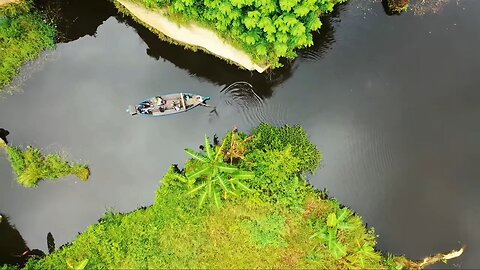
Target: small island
[{"x": 255, "y": 35}]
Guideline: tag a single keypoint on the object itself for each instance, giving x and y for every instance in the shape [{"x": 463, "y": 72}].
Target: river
[{"x": 392, "y": 101}]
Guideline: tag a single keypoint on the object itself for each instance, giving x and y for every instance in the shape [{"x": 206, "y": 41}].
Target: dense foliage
[
  {"x": 23, "y": 35},
  {"x": 266, "y": 29},
  {"x": 246, "y": 231},
  {"x": 31, "y": 166}
]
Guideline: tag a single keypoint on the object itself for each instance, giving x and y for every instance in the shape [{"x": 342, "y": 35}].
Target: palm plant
[{"x": 213, "y": 176}]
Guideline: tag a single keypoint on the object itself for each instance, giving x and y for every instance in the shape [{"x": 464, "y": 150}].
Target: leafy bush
[
  {"x": 31, "y": 166},
  {"x": 267, "y": 137},
  {"x": 266, "y": 29},
  {"x": 23, "y": 35}
]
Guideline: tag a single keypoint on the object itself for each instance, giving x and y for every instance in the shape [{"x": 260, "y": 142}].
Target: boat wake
[{"x": 240, "y": 98}]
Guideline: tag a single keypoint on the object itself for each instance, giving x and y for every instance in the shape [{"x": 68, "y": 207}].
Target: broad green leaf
[
  {"x": 222, "y": 183},
  {"x": 219, "y": 153},
  {"x": 343, "y": 214},
  {"x": 208, "y": 148},
  {"x": 199, "y": 172},
  {"x": 82, "y": 264},
  {"x": 202, "y": 198},
  {"x": 242, "y": 186},
  {"x": 332, "y": 220},
  {"x": 227, "y": 168},
  {"x": 180, "y": 177},
  {"x": 196, "y": 155},
  {"x": 216, "y": 198},
  {"x": 337, "y": 249},
  {"x": 196, "y": 189},
  {"x": 244, "y": 175},
  {"x": 209, "y": 188}
]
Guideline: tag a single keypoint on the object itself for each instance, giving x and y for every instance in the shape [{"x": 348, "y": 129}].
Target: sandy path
[
  {"x": 4, "y": 2},
  {"x": 192, "y": 35}
]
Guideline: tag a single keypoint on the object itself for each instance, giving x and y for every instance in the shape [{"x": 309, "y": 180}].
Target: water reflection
[
  {"x": 3, "y": 135},
  {"x": 217, "y": 71},
  {"x": 13, "y": 248},
  {"x": 76, "y": 18},
  {"x": 324, "y": 38}
]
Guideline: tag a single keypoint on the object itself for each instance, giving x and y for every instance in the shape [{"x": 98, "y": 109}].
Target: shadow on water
[
  {"x": 76, "y": 18},
  {"x": 324, "y": 38},
  {"x": 13, "y": 248},
  {"x": 3, "y": 135},
  {"x": 219, "y": 72}
]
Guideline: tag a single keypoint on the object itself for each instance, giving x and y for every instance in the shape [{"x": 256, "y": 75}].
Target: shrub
[{"x": 267, "y": 137}]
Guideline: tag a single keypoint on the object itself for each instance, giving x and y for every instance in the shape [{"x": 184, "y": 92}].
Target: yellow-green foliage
[
  {"x": 247, "y": 231},
  {"x": 31, "y": 166},
  {"x": 23, "y": 35}
]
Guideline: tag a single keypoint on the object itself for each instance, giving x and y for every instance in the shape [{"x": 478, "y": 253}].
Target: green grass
[
  {"x": 23, "y": 36},
  {"x": 246, "y": 231},
  {"x": 30, "y": 166}
]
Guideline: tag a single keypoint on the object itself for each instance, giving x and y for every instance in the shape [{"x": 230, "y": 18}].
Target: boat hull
[{"x": 167, "y": 104}]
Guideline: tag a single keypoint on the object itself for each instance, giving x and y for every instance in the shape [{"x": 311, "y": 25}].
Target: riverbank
[
  {"x": 192, "y": 35},
  {"x": 254, "y": 35},
  {"x": 242, "y": 204},
  {"x": 24, "y": 35}
]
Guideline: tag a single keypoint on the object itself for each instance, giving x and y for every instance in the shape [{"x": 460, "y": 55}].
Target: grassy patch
[
  {"x": 30, "y": 166},
  {"x": 23, "y": 36}
]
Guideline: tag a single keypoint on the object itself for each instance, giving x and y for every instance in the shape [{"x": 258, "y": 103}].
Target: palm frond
[
  {"x": 196, "y": 155},
  {"x": 216, "y": 199},
  {"x": 240, "y": 175},
  {"x": 202, "y": 198},
  {"x": 219, "y": 153},
  {"x": 221, "y": 180},
  {"x": 227, "y": 168},
  {"x": 208, "y": 148},
  {"x": 241, "y": 185},
  {"x": 199, "y": 172},
  {"x": 196, "y": 189}
]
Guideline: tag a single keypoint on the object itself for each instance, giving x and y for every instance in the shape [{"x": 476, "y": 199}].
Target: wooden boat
[{"x": 167, "y": 104}]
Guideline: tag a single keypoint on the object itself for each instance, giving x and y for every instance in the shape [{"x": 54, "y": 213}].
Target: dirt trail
[
  {"x": 191, "y": 35},
  {"x": 4, "y": 2}
]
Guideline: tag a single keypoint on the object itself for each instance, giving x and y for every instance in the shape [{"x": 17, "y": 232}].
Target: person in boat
[
  {"x": 176, "y": 106},
  {"x": 159, "y": 101}
]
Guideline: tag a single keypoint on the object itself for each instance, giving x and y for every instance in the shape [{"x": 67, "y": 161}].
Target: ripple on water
[{"x": 241, "y": 99}]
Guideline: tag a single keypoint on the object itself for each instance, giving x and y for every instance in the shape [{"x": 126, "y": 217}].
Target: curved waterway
[{"x": 392, "y": 101}]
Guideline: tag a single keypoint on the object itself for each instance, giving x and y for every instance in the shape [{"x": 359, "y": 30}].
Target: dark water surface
[{"x": 392, "y": 101}]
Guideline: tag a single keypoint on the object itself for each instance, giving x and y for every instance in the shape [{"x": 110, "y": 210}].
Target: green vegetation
[
  {"x": 283, "y": 224},
  {"x": 23, "y": 35},
  {"x": 397, "y": 6},
  {"x": 31, "y": 166},
  {"x": 266, "y": 29}
]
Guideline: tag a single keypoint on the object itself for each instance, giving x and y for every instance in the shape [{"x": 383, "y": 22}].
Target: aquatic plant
[
  {"x": 397, "y": 6},
  {"x": 266, "y": 29},
  {"x": 211, "y": 174},
  {"x": 30, "y": 166},
  {"x": 23, "y": 35}
]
